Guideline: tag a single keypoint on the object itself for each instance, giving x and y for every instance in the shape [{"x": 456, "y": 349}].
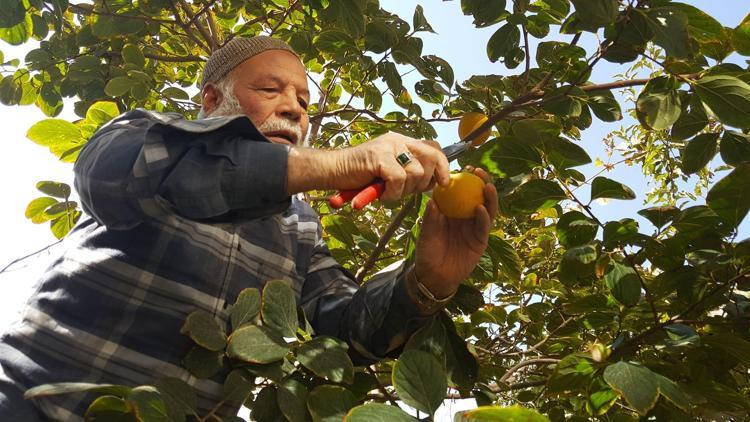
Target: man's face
[{"x": 271, "y": 88}]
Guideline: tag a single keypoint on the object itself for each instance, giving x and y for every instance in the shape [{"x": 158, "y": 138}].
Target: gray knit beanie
[{"x": 236, "y": 51}]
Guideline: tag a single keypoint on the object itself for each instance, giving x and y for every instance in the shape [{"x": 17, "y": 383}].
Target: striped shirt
[{"x": 180, "y": 216}]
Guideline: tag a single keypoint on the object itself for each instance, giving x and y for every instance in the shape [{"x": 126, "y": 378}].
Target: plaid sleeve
[
  {"x": 375, "y": 319},
  {"x": 143, "y": 165}
]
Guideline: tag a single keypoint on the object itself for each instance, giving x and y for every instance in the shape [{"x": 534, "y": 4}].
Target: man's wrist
[
  {"x": 426, "y": 301},
  {"x": 310, "y": 169}
]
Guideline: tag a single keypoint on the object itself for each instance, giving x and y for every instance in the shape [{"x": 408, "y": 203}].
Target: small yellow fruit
[
  {"x": 468, "y": 123},
  {"x": 461, "y": 197}
]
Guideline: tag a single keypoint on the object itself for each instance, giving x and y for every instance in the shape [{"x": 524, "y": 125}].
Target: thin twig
[
  {"x": 29, "y": 255},
  {"x": 382, "y": 388},
  {"x": 386, "y": 237},
  {"x": 509, "y": 373}
]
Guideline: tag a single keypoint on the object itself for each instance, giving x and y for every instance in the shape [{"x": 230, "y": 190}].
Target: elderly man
[{"x": 184, "y": 215}]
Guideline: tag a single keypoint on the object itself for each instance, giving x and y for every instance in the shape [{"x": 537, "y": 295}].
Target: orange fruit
[
  {"x": 470, "y": 121},
  {"x": 461, "y": 197}
]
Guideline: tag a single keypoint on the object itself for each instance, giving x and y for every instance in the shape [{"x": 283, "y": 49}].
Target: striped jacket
[{"x": 180, "y": 216}]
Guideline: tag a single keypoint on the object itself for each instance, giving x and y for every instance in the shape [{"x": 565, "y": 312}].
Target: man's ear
[{"x": 211, "y": 98}]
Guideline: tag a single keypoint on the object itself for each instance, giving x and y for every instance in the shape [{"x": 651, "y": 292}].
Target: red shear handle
[
  {"x": 368, "y": 194},
  {"x": 337, "y": 201},
  {"x": 359, "y": 197}
]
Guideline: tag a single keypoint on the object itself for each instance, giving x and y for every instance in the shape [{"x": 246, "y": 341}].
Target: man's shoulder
[{"x": 174, "y": 121}]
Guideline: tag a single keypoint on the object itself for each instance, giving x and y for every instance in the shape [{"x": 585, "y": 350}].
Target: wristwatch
[{"x": 426, "y": 302}]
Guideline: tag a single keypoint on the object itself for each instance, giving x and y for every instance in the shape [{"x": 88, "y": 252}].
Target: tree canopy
[{"x": 567, "y": 316}]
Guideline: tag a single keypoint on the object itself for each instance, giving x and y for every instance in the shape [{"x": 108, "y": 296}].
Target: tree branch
[
  {"x": 509, "y": 373},
  {"x": 375, "y": 116},
  {"x": 386, "y": 237},
  {"x": 29, "y": 255},
  {"x": 211, "y": 40}
]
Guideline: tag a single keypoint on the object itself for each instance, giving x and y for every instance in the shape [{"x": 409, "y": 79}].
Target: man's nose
[{"x": 289, "y": 107}]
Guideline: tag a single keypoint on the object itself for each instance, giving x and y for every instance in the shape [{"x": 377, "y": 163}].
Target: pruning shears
[{"x": 363, "y": 196}]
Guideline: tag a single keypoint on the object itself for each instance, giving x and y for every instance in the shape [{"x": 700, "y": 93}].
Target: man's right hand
[{"x": 355, "y": 167}]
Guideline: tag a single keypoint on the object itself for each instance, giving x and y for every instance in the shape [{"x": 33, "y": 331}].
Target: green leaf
[
  {"x": 12, "y": 12},
  {"x": 730, "y": 344},
  {"x": 572, "y": 373},
  {"x": 537, "y": 194},
  {"x": 327, "y": 358},
  {"x": 735, "y": 148},
  {"x": 203, "y": 363},
  {"x": 334, "y": 41},
  {"x": 505, "y": 256},
  {"x": 419, "y": 22},
  {"x": 237, "y": 386},
  {"x": 246, "y": 308},
  {"x": 62, "y": 225},
  {"x": 605, "y": 106},
  {"x": 564, "y": 154},
  {"x": 507, "y": 157},
  {"x": 659, "y": 216},
  {"x": 727, "y": 97},
  {"x": 730, "y": 196},
  {"x": 500, "y": 414},
  {"x": 291, "y": 396},
  {"x": 623, "y": 283},
  {"x": 690, "y": 122},
  {"x": 265, "y": 407},
  {"x": 205, "y": 331},
  {"x": 349, "y": 15},
  {"x": 670, "y": 28},
  {"x": 108, "y": 409},
  {"x": 377, "y": 412},
  {"x": 741, "y": 37},
  {"x": 536, "y": 131},
  {"x": 175, "y": 93},
  {"x": 563, "y": 101},
  {"x": 575, "y": 229},
  {"x": 101, "y": 112},
  {"x": 672, "y": 392},
  {"x": 147, "y": 404},
  {"x": 330, "y": 403},
  {"x": 380, "y": 36},
  {"x": 594, "y": 14},
  {"x": 659, "y": 105},
  {"x": 119, "y": 86},
  {"x": 577, "y": 264},
  {"x": 485, "y": 12},
  {"x": 279, "y": 308},
  {"x": 115, "y": 26},
  {"x": 76, "y": 387},
  {"x": 49, "y": 132},
  {"x": 707, "y": 31},
  {"x": 341, "y": 228},
  {"x": 698, "y": 152},
  {"x": 636, "y": 383},
  {"x": 18, "y": 33},
  {"x": 602, "y": 187},
  {"x": 179, "y": 398},
  {"x": 35, "y": 209},
  {"x": 503, "y": 42},
  {"x": 255, "y": 344},
  {"x": 133, "y": 55},
  {"x": 59, "y": 209},
  {"x": 420, "y": 381},
  {"x": 56, "y": 189},
  {"x": 696, "y": 219}
]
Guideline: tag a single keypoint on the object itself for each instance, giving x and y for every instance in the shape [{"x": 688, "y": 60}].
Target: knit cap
[{"x": 236, "y": 51}]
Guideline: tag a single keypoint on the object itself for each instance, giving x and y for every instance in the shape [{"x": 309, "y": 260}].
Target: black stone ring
[{"x": 404, "y": 158}]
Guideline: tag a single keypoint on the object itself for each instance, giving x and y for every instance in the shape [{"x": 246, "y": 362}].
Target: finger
[
  {"x": 482, "y": 224},
  {"x": 483, "y": 174},
  {"x": 428, "y": 177},
  {"x": 490, "y": 200},
  {"x": 433, "y": 160},
  {"x": 414, "y": 175},
  {"x": 394, "y": 177}
]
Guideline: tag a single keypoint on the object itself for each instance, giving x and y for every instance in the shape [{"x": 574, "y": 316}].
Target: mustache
[{"x": 278, "y": 125}]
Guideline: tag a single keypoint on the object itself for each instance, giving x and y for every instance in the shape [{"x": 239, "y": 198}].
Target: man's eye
[{"x": 303, "y": 104}]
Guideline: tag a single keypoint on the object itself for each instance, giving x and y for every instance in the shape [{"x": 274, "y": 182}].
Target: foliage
[{"x": 567, "y": 314}]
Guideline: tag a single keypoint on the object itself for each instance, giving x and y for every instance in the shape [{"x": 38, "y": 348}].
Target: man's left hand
[{"x": 448, "y": 249}]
